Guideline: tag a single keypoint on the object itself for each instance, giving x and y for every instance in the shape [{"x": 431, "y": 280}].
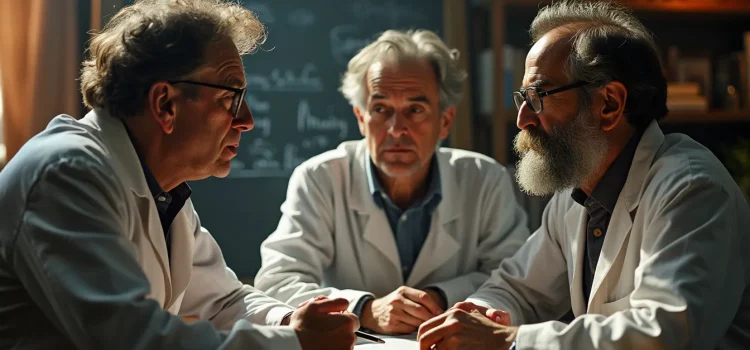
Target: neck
[
  {"x": 618, "y": 138},
  {"x": 149, "y": 141},
  {"x": 405, "y": 191}
]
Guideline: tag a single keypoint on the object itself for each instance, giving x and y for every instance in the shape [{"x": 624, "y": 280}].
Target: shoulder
[
  {"x": 681, "y": 163},
  {"x": 64, "y": 144}
]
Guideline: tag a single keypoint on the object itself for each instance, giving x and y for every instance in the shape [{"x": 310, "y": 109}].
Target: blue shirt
[
  {"x": 411, "y": 226},
  {"x": 168, "y": 204}
]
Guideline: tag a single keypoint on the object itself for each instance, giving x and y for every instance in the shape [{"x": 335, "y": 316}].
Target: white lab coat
[
  {"x": 334, "y": 240},
  {"x": 673, "y": 272},
  {"x": 83, "y": 259}
]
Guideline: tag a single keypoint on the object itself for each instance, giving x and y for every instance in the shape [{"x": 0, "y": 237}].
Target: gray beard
[{"x": 564, "y": 159}]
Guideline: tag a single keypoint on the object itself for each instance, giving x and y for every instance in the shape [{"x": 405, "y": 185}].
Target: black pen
[{"x": 369, "y": 337}]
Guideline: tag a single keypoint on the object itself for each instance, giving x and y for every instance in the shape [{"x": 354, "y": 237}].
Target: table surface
[{"x": 402, "y": 342}]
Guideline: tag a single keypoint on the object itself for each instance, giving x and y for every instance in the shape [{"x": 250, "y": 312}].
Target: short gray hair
[
  {"x": 609, "y": 44},
  {"x": 405, "y": 46},
  {"x": 156, "y": 40}
]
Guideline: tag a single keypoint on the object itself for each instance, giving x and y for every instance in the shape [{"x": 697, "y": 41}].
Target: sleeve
[
  {"x": 532, "y": 285},
  {"x": 215, "y": 293},
  {"x": 294, "y": 256},
  {"x": 73, "y": 258},
  {"x": 684, "y": 294},
  {"x": 504, "y": 230}
]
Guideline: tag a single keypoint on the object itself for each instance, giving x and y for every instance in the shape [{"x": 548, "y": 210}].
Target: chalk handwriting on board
[
  {"x": 266, "y": 161},
  {"x": 301, "y": 18},
  {"x": 286, "y": 80},
  {"x": 306, "y": 120},
  {"x": 346, "y": 41},
  {"x": 262, "y": 125},
  {"x": 264, "y": 13},
  {"x": 393, "y": 11},
  {"x": 257, "y": 105}
]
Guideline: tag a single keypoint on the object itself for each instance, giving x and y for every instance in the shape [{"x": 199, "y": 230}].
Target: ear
[
  {"x": 360, "y": 120},
  {"x": 613, "y": 97},
  {"x": 161, "y": 105},
  {"x": 446, "y": 122}
]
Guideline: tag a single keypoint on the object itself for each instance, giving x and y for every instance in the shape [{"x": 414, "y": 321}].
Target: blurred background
[{"x": 293, "y": 80}]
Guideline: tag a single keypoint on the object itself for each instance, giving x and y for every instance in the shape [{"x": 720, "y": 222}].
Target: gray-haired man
[{"x": 392, "y": 223}]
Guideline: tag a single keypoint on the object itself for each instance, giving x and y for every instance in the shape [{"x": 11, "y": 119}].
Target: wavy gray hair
[
  {"x": 404, "y": 46},
  {"x": 156, "y": 40},
  {"x": 609, "y": 44}
]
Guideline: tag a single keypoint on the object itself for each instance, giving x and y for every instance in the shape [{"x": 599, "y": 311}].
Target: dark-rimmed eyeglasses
[
  {"x": 532, "y": 95},
  {"x": 239, "y": 94}
]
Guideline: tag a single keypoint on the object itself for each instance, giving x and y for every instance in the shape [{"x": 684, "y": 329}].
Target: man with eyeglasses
[
  {"x": 646, "y": 236},
  {"x": 100, "y": 246}
]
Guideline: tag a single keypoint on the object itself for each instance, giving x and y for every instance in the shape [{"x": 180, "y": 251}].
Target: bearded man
[{"x": 646, "y": 236}]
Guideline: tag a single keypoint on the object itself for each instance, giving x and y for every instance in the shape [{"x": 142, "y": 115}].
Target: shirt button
[
  {"x": 598, "y": 232},
  {"x": 403, "y": 217},
  {"x": 161, "y": 198}
]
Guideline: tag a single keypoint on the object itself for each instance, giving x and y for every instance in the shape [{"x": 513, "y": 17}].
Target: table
[{"x": 401, "y": 342}]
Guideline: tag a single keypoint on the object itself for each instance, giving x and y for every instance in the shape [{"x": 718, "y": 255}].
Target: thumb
[
  {"x": 499, "y": 316},
  {"x": 329, "y": 305}
]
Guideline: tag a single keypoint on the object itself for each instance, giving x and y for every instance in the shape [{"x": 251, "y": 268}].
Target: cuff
[
  {"x": 442, "y": 295},
  {"x": 277, "y": 314},
  {"x": 357, "y": 310}
]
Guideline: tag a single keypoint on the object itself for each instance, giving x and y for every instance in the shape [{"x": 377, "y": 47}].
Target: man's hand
[
  {"x": 400, "y": 312},
  {"x": 459, "y": 329},
  {"x": 498, "y": 316},
  {"x": 324, "y": 324}
]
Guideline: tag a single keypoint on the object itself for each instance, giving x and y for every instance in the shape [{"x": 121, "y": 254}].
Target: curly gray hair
[
  {"x": 154, "y": 40},
  {"x": 404, "y": 46}
]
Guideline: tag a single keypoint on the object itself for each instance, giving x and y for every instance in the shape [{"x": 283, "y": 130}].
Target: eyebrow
[
  {"x": 420, "y": 98},
  {"x": 234, "y": 81}
]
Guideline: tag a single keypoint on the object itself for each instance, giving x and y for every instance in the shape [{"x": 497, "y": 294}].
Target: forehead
[
  {"x": 392, "y": 77},
  {"x": 546, "y": 59},
  {"x": 223, "y": 61}
]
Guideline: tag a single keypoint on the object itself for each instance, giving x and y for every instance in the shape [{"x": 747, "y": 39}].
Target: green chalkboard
[{"x": 292, "y": 91}]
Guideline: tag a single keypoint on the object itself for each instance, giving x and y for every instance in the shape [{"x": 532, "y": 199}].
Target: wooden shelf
[
  {"x": 677, "y": 117},
  {"x": 733, "y": 7},
  {"x": 707, "y": 117}
]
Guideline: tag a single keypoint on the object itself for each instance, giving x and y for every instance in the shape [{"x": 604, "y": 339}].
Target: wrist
[{"x": 366, "y": 318}]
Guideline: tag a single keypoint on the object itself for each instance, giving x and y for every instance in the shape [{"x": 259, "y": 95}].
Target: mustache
[
  {"x": 534, "y": 139},
  {"x": 402, "y": 142}
]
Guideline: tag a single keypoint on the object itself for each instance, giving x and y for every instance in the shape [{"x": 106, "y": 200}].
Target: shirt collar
[
  {"x": 434, "y": 191},
  {"x": 609, "y": 187}
]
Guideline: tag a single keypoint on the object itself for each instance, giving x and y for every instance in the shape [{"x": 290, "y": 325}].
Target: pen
[{"x": 369, "y": 337}]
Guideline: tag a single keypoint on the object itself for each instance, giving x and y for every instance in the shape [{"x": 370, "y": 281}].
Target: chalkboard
[{"x": 292, "y": 91}]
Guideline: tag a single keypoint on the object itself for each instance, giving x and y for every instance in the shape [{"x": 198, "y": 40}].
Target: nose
[
  {"x": 526, "y": 117},
  {"x": 398, "y": 125},
  {"x": 244, "y": 121}
]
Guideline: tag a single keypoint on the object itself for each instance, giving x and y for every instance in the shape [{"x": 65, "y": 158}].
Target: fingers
[
  {"x": 353, "y": 318},
  {"x": 432, "y": 323},
  {"x": 406, "y": 318},
  {"x": 329, "y": 305},
  {"x": 469, "y": 307},
  {"x": 319, "y": 297},
  {"x": 422, "y": 298},
  {"x": 437, "y": 334},
  {"x": 498, "y": 316},
  {"x": 415, "y": 310}
]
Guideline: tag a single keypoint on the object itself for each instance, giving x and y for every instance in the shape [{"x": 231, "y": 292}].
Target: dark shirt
[
  {"x": 168, "y": 204},
  {"x": 411, "y": 226},
  {"x": 600, "y": 206}
]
